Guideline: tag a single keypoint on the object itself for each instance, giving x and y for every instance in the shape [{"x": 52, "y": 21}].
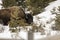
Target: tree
[
  {"x": 37, "y": 6},
  {"x": 8, "y": 3},
  {"x": 20, "y": 3}
]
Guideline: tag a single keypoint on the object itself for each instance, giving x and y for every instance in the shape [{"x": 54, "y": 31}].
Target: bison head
[{"x": 29, "y": 18}]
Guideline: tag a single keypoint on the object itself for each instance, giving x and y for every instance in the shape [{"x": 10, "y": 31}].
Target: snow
[
  {"x": 52, "y": 5},
  {"x": 6, "y": 33},
  {"x": 45, "y": 17},
  {"x": 0, "y": 4}
]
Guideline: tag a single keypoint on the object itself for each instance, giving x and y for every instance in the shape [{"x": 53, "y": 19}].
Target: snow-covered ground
[{"x": 45, "y": 17}]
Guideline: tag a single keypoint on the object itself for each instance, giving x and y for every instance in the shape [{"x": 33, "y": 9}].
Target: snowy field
[{"x": 45, "y": 16}]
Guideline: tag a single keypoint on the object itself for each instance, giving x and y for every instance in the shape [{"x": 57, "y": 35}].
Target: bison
[{"x": 5, "y": 15}]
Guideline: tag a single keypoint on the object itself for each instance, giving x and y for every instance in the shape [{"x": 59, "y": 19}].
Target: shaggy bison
[{"x": 5, "y": 15}]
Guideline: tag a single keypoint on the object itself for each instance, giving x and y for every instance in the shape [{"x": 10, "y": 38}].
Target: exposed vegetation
[{"x": 57, "y": 20}]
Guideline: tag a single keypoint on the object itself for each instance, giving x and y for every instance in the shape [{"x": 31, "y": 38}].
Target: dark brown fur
[{"x": 5, "y": 16}]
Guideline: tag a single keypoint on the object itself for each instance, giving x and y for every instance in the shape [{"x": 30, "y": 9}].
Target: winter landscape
[{"x": 46, "y": 18}]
